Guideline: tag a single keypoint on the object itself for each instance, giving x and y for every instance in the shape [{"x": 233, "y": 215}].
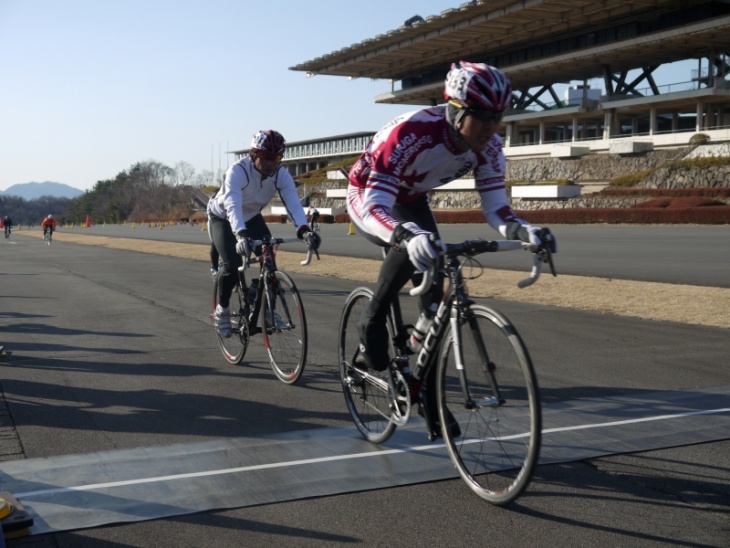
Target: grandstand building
[{"x": 545, "y": 45}]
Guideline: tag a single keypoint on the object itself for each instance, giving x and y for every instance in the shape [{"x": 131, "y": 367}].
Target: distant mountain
[{"x": 31, "y": 191}]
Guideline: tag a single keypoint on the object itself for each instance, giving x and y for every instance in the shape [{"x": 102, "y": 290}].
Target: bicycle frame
[
  {"x": 283, "y": 323},
  {"x": 492, "y": 432},
  {"x": 452, "y": 305},
  {"x": 451, "y": 308},
  {"x": 456, "y": 300},
  {"x": 266, "y": 278}
]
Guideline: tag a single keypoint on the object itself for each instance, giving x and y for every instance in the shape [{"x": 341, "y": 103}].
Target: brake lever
[
  {"x": 546, "y": 256},
  {"x": 550, "y": 262},
  {"x": 310, "y": 251}
]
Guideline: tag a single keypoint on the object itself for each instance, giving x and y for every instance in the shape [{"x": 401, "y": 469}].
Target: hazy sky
[{"x": 91, "y": 87}]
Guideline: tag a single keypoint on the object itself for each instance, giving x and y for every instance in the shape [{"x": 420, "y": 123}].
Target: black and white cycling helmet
[
  {"x": 268, "y": 143},
  {"x": 477, "y": 86}
]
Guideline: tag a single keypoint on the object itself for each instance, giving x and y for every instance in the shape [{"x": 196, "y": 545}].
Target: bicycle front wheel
[
  {"x": 366, "y": 392},
  {"x": 285, "y": 328},
  {"x": 487, "y": 382},
  {"x": 233, "y": 347}
]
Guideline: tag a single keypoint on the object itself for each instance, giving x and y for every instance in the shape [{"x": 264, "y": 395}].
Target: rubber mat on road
[{"x": 89, "y": 490}]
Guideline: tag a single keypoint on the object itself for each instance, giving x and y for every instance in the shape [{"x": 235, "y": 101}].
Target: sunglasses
[
  {"x": 271, "y": 158},
  {"x": 486, "y": 116}
]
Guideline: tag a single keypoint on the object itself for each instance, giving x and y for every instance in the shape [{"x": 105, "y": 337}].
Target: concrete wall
[{"x": 585, "y": 170}]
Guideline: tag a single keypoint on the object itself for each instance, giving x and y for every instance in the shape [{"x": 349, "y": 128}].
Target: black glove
[
  {"x": 302, "y": 230},
  {"x": 243, "y": 244},
  {"x": 312, "y": 239}
]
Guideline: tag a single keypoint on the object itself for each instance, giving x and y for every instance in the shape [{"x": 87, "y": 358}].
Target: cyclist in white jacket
[{"x": 234, "y": 213}]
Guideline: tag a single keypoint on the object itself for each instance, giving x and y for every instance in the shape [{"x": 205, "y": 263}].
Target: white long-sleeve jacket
[{"x": 244, "y": 194}]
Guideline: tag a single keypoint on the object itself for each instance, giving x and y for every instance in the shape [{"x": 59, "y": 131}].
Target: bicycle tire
[
  {"x": 499, "y": 445},
  {"x": 287, "y": 343},
  {"x": 367, "y": 402},
  {"x": 233, "y": 348}
]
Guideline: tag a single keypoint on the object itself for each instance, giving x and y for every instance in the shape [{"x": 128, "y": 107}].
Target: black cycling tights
[
  {"x": 397, "y": 268},
  {"x": 225, "y": 242}
]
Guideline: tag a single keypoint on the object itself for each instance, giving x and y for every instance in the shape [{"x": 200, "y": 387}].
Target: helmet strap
[{"x": 454, "y": 115}]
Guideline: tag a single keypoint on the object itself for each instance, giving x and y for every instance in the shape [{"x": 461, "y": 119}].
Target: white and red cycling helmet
[
  {"x": 477, "y": 86},
  {"x": 268, "y": 143}
]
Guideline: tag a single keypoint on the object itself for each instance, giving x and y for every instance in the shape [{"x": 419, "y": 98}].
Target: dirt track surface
[{"x": 657, "y": 301}]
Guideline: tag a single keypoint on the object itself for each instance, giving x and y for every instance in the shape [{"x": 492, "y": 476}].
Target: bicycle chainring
[{"x": 400, "y": 395}]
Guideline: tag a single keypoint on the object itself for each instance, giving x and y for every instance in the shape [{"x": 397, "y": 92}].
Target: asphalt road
[
  {"x": 695, "y": 255},
  {"x": 113, "y": 350}
]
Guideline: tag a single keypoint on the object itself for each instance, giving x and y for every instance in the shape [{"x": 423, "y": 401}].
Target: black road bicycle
[
  {"x": 484, "y": 379},
  {"x": 271, "y": 306}
]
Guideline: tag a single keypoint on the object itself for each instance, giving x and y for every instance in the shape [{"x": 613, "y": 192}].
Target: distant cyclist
[
  {"x": 8, "y": 224},
  {"x": 313, "y": 214},
  {"x": 49, "y": 224},
  {"x": 234, "y": 213}
]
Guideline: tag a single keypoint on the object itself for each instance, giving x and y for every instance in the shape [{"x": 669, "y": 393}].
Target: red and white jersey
[
  {"x": 412, "y": 155},
  {"x": 244, "y": 194}
]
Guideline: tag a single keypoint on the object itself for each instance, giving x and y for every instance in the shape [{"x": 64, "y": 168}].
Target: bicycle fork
[
  {"x": 487, "y": 366},
  {"x": 276, "y": 296}
]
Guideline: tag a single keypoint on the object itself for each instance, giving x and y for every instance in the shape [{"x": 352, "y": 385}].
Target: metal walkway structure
[{"x": 89, "y": 490}]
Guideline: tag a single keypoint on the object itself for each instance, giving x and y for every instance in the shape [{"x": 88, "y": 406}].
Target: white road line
[{"x": 429, "y": 447}]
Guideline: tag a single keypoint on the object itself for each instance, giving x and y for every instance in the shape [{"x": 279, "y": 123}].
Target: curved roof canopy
[{"x": 536, "y": 42}]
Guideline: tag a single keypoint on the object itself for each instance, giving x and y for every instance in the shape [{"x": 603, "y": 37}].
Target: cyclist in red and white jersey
[
  {"x": 234, "y": 213},
  {"x": 388, "y": 199},
  {"x": 49, "y": 223}
]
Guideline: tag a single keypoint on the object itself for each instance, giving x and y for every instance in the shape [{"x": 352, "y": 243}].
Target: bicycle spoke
[
  {"x": 233, "y": 347},
  {"x": 285, "y": 328},
  {"x": 500, "y": 432},
  {"x": 366, "y": 394}
]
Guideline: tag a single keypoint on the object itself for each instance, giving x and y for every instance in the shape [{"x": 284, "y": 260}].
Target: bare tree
[
  {"x": 184, "y": 174},
  {"x": 206, "y": 178}
]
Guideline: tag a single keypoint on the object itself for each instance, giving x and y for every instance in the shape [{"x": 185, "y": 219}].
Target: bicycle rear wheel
[
  {"x": 366, "y": 393},
  {"x": 234, "y": 347},
  {"x": 285, "y": 328},
  {"x": 496, "y": 403}
]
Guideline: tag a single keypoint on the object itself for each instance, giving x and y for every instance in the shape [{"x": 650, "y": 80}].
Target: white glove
[
  {"x": 421, "y": 251},
  {"x": 243, "y": 246},
  {"x": 537, "y": 235}
]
